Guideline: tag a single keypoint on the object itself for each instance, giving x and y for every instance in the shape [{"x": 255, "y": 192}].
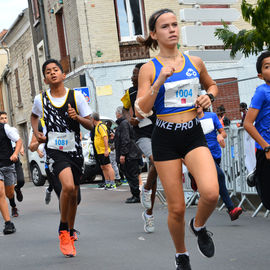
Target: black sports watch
[
  {"x": 212, "y": 98},
  {"x": 266, "y": 149}
]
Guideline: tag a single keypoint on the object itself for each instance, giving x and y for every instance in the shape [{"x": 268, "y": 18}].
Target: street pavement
[{"x": 112, "y": 236}]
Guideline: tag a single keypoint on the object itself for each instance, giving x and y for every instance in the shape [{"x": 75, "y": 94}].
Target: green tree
[{"x": 249, "y": 41}]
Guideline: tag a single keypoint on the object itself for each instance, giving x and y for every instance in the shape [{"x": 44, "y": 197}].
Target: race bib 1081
[{"x": 61, "y": 141}]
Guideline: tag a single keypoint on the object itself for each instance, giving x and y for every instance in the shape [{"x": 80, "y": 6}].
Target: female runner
[{"x": 170, "y": 82}]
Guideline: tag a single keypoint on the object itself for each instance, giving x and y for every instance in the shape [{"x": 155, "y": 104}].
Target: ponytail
[{"x": 149, "y": 42}]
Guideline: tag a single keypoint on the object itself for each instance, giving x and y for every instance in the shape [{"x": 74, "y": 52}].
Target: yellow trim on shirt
[
  {"x": 177, "y": 71},
  {"x": 193, "y": 63},
  {"x": 75, "y": 103},
  {"x": 63, "y": 103},
  {"x": 154, "y": 75},
  {"x": 42, "y": 105},
  {"x": 177, "y": 112}
]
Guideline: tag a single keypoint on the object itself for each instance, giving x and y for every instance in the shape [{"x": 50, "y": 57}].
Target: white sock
[
  {"x": 148, "y": 216},
  {"x": 178, "y": 254},
  {"x": 197, "y": 228}
]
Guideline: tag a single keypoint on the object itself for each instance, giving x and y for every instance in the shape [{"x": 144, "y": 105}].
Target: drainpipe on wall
[
  {"x": 10, "y": 105},
  {"x": 44, "y": 30}
]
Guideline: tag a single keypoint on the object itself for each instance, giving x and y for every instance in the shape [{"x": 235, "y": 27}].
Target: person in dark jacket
[{"x": 127, "y": 154}]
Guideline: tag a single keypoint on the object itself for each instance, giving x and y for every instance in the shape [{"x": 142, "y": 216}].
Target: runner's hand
[
  {"x": 72, "y": 112},
  {"x": 165, "y": 73},
  {"x": 14, "y": 157},
  {"x": 203, "y": 101},
  {"x": 267, "y": 155},
  {"x": 134, "y": 121},
  {"x": 40, "y": 137},
  {"x": 221, "y": 140}
]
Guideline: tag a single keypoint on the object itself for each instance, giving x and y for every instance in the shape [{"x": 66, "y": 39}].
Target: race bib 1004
[
  {"x": 181, "y": 93},
  {"x": 61, "y": 141}
]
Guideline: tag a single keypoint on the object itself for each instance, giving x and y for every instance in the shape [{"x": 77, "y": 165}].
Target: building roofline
[{"x": 18, "y": 19}]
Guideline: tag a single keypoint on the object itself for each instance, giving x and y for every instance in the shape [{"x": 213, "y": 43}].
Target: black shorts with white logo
[
  {"x": 174, "y": 140},
  {"x": 103, "y": 160},
  {"x": 60, "y": 160}
]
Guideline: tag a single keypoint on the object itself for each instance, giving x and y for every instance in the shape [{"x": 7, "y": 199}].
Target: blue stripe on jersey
[{"x": 179, "y": 90}]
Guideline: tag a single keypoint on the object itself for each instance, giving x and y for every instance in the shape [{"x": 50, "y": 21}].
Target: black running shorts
[{"x": 174, "y": 140}]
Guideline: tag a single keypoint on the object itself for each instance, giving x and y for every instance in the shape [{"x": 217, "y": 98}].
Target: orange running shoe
[
  {"x": 72, "y": 239},
  {"x": 65, "y": 244}
]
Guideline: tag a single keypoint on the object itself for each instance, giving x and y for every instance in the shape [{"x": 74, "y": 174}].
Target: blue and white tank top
[{"x": 179, "y": 92}]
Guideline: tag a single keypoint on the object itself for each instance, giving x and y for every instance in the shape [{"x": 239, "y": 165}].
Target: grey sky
[{"x": 9, "y": 11}]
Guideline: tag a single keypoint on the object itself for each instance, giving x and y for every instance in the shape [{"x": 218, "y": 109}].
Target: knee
[
  {"x": 177, "y": 211},
  {"x": 68, "y": 189},
  {"x": 211, "y": 197}
]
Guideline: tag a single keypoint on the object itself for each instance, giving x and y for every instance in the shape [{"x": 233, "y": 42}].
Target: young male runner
[{"x": 63, "y": 111}]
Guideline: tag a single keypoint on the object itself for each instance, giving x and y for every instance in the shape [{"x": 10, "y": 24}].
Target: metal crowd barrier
[{"x": 233, "y": 166}]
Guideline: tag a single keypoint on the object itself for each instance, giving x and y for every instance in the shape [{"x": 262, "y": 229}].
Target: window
[
  {"x": 62, "y": 40},
  {"x": 18, "y": 88},
  {"x": 31, "y": 77},
  {"x": 130, "y": 19},
  {"x": 35, "y": 8}
]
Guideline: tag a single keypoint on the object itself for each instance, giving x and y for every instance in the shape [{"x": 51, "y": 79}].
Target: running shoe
[
  {"x": 205, "y": 242},
  {"x": 9, "y": 228},
  {"x": 118, "y": 183},
  {"x": 146, "y": 198},
  {"x": 235, "y": 213},
  {"x": 48, "y": 196},
  {"x": 14, "y": 212},
  {"x": 72, "y": 239},
  {"x": 101, "y": 185},
  {"x": 149, "y": 226},
  {"x": 133, "y": 199},
  {"x": 65, "y": 244},
  {"x": 182, "y": 262},
  {"x": 19, "y": 194},
  {"x": 251, "y": 178},
  {"x": 110, "y": 187},
  {"x": 75, "y": 234}
]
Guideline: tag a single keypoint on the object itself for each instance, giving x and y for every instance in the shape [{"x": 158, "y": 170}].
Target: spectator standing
[
  {"x": 112, "y": 153},
  {"x": 224, "y": 120},
  {"x": 243, "y": 111},
  {"x": 127, "y": 154},
  {"x": 101, "y": 142},
  {"x": 259, "y": 112}
]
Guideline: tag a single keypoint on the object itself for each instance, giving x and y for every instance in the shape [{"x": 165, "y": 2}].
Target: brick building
[
  {"x": 21, "y": 78},
  {"x": 96, "y": 44}
]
